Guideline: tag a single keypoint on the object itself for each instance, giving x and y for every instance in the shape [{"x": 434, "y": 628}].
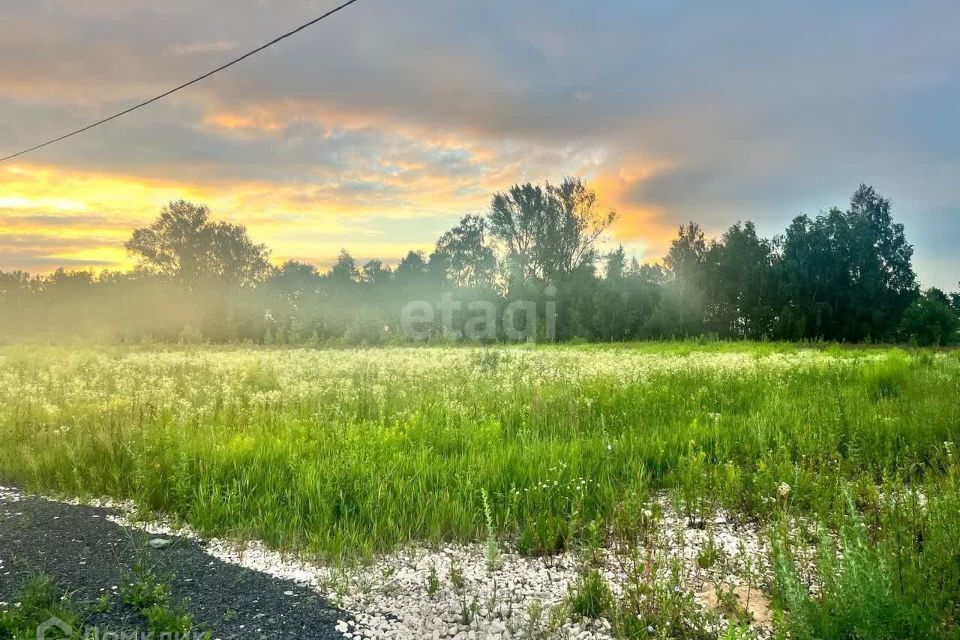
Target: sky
[{"x": 377, "y": 129}]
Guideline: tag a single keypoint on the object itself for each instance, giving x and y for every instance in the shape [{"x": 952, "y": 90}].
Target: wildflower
[{"x": 783, "y": 490}]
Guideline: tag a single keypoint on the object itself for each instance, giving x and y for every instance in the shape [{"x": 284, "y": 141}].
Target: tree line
[{"x": 844, "y": 275}]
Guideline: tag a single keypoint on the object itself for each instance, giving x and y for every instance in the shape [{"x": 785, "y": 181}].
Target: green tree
[
  {"x": 344, "y": 270},
  {"x": 467, "y": 259},
  {"x": 930, "y": 320},
  {"x": 686, "y": 257},
  {"x": 846, "y": 275},
  {"x": 413, "y": 265},
  {"x": 615, "y": 266},
  {"x": 680, "y": 310},
  {"x": 184, "y": 245},
  {"x": 374, "y": 272},
  {"x": 739, "y": 283},
  {"x": 883, "y": 283},
  {"x": 548, "y": 232}
]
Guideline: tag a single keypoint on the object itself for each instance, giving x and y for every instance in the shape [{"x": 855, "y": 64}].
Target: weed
[
  {"x": 860, "y": 595},
  {"x": 709, "y": 554},
  {"x": 590, "y": 597},
  {"x": 655, "y": 601},
  {"x": 492, "y": 546},
  {"x": 103, "y": 604},
  {"x": 152, "y": 599},
  {"x": 39, "y": 599},
  {"x": 433, "y": 581},
  {"x": 737, "y": 632},
  {"x": 457, "y": 580},
  {"x": 345, "y": 453},
  {"x": 886, "y": 378},
  {"x": 144, "y": 591}
]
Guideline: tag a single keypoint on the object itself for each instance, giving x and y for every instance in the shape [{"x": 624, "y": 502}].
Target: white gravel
[{"x": 452, "y": 592}]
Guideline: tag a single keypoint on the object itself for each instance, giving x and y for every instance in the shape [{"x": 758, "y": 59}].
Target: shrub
[{"x": 857, "y": 595}]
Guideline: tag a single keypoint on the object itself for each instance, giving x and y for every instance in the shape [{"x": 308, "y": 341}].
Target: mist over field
[{"x": 478, "y": 320}]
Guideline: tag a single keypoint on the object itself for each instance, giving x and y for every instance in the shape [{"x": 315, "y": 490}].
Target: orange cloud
[
  {"x": 418, "y": 173},
  {"x": 644, "y": 229}
]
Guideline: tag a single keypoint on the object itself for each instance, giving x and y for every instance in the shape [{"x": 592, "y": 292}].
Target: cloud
[
  {"x": 421, "y": 110},
  {"x": 199, "y": 47}
]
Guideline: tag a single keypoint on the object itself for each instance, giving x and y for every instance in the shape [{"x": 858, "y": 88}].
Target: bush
[{"x": 858, "y": 597}]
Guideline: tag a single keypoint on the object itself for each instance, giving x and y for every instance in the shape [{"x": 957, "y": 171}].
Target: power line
[{"x": 185, "y": 84}]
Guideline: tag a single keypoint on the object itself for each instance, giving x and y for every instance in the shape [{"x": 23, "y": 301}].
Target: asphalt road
[{"x": 88, "y": 556}]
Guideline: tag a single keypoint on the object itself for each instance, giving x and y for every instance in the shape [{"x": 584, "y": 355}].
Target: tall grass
[
  {"x": 348, "y": 452},
  {"x": 345, "y": 451}
]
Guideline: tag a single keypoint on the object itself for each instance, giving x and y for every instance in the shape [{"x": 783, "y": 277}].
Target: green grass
[
  {"x": 590, "y": 597},
  {"x": 151, "y": 597},
  {"x": 349, "y": 452},
  {"x": 38, "y": 600}
]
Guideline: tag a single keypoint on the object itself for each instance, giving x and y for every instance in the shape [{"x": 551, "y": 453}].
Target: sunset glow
[{"x": 379, "y": 144}]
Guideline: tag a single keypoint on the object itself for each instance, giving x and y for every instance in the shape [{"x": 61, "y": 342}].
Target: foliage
[
  {"x": 184, "y": 245},
  {"x": 590, "y": 597},
  {"x": 846, "y": 275},
  {"x": 467, "y": 259},
  {"x": 656, "y": 603},
  {"x": 549, "y": 232},
  {"x": 843, "y": 275},
  {"x": 543, "y": 449},
  {"x": 877, "y": 587},
  {"x": 39, "y": 600},
  {"x": 349, "y": 451},
  {"x": 931, "y": 321},
  {"x": 152, "y": 599}
]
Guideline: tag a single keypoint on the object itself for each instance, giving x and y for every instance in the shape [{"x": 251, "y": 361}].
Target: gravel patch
[{"x": 452, "y": 592}]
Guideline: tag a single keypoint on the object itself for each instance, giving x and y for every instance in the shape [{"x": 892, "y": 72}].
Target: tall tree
[
  {"x": 374, "y": 272},
  {"x": 572, "y": 229},
  {"x": 615, "y": 266},
  {"x": 846, "y": 275},
  {"x": 516, "y": 220},
  {"x": 184, "y": 245},
  {"x": 412, "y": 266},
  {"x": 548, "y": 231},
  {"x": 931, "y": 321},
  {"x": 344, "y": 270},
  {"x": 687, "y": 254},
  {"x": 680, "y": 310},
  {"x": 739, "y": 283},
  {"x": 468, "y": 261},
  {"x": 883, "y": 283}
]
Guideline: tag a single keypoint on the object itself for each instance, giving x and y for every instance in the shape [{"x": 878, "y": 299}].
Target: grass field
[{"x": 345, "y": 453}]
